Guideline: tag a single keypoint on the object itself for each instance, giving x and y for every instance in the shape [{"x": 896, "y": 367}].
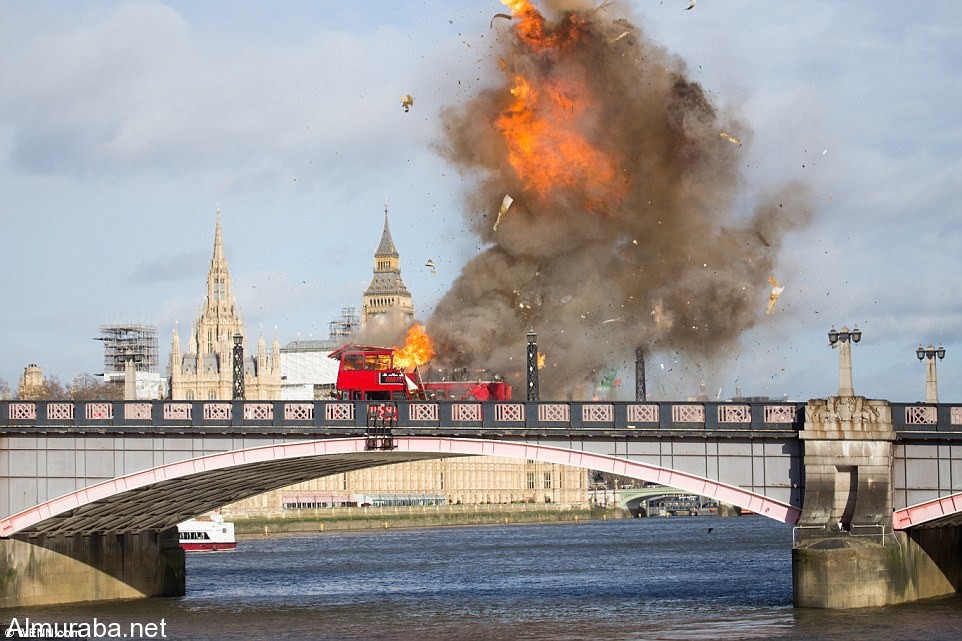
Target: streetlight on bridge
[
  {"x": 533, "y": 391},
  {"x": 238, "y": 394},
  {"x": 928, "y": 354},
  {"x": 843, "y": 339}
]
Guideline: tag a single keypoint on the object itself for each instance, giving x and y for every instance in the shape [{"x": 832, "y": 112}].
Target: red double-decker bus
[{"x": 369, "y": 373}]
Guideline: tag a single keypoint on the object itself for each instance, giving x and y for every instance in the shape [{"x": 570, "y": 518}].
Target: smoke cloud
[{"x": 624, "y": 230}]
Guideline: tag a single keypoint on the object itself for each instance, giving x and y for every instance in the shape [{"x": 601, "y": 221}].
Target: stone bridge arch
[{"x": 160, "y": 497}]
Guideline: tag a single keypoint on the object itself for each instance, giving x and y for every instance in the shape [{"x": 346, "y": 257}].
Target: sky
[{"x": 124, "y": 126}]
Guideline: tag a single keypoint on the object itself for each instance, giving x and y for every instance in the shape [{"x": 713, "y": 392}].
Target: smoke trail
[{"x": 623, "y": 230}]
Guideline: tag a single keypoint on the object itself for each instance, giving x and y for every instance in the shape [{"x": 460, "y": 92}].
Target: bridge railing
[
  {"x": 546, "y": 415},
  {"x": 926, "y": 418}
]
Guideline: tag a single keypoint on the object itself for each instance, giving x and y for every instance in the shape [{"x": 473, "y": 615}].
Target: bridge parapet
[
  {"x": 407, "y": 414},
  {"x": 919, "y": 419}
]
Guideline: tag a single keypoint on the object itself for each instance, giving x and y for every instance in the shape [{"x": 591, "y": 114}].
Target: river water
[{"x": 621, "y": 580}]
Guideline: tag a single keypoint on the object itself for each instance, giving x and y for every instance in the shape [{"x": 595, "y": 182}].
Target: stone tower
[
  {"x": 387, "y": 292},
  {"x": 205, "y": 372}
]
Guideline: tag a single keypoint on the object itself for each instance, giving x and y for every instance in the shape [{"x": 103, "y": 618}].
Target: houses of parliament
[{"x": 202, "y": 370}]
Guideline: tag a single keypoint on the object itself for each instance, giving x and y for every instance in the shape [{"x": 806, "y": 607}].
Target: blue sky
[{"x": 125, "y": 125}]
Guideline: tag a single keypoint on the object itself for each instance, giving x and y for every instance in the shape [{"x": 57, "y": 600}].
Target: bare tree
[{"x": 86, "y": 387}]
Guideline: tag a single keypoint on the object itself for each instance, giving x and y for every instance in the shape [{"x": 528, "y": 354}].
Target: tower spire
[
  {"x": 218, "y": 240},
  {"x": 386, "y": 246}
]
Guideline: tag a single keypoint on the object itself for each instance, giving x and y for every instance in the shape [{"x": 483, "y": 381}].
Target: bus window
[
  {"x": 352, "y": 361},
  {"x": 377, "y": 362}
]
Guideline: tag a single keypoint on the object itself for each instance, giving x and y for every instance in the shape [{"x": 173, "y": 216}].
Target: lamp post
[
  {"x": 843, "y": 339},
  {"x": 533, "y": 393},
  {"x": 928, "y": 354},
  {"x": 641, "y": 393},
  {"x": 238, "y": 394},
  {"x": 130, "y": 359}
]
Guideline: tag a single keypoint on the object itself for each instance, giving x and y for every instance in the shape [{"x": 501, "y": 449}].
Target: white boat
[{"x": 206, "y": 535}]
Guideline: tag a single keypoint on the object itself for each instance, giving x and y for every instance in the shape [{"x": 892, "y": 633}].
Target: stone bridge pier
[
  {"x": 846, "y": 552},
  {"x": 46, "y": 569}
]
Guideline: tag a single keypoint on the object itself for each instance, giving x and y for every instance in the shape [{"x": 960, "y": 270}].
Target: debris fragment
[
  {"x": 499, "y": 15},
  {"x": 430, "y": 263},
  {"x": 618, "y": 37},
  {"x": 505, "y": 203},
  {"x": 566, "y": 299},
  {"x": 613, "y": 320},
  {"x": 731, "y": 139},
  {"x": 407, "y": 102},
  {"x": 691, "y": 6},
  {"x": 773, "y": 297}
]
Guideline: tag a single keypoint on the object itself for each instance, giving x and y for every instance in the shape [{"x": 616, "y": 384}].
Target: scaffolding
[
  {"x": 343, "y": 327},
  {"x": 121, "y": 340}
]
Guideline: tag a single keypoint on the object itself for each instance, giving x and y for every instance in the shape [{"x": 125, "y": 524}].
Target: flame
[
  {"x": 548, "y": 122},
  {"x": 541, "y": 358},
  {"x": 417, "y": 349}
]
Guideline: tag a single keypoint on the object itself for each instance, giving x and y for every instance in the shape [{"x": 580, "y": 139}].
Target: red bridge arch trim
[
  {"x": 758, "y": 503},
  {"x": 928, "y": 511}
]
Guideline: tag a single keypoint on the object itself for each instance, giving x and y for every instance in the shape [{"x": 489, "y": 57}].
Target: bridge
[{"x": 91, "y": 492}]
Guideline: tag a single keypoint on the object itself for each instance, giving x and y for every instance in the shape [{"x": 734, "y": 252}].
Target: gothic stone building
[{"x": 205, "y": 371}]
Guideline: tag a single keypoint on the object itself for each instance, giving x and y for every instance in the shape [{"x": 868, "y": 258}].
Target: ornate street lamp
[
  {"x": 533, "y": 393},
  {"x": 843, "y": 339},
  {"x": 238, "y": 367},
  {"x": 928, "y": 354}
]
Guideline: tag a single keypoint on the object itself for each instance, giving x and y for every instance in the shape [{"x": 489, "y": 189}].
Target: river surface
[{"x": 621, "y": 580}]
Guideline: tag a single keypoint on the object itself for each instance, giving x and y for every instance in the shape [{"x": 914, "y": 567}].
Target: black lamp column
[
  {"x": 238, "y": 367},
  {"x": 641, "y": 391},
  {"x": 533, "y": 393}
]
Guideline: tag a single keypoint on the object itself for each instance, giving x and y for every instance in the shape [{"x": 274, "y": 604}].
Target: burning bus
[
  {"x": 372, "y": 373},
  {"x": 393, "y": 374}
]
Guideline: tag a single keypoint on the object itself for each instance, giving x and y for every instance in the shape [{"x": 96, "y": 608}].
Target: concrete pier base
[
  {"x": 96, "y": 567},
  {"x": 851, "y": 572}
]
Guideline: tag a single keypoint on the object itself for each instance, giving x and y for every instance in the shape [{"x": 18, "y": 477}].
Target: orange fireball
[
  {"x": 417, "y": 349},
  {"x": 548, "y": 123}
]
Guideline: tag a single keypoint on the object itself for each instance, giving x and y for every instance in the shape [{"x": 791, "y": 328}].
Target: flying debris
[
  {"x": 499, "y": 15},
  {"x": 407, "y": 102},
  {"x": 773, "y": 297},
  {"x": 505, "y": 203},
  {"x": 731, "y": 139},
  {"x": 430, "y": 263},
  {"x": 618, "y": 37},
  {"x": 691, "y": 6},
  {"x": 613, "y": 320}
]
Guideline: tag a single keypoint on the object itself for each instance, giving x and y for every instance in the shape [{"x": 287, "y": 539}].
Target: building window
[
  {"x": 547, "y": 480},
  {"x": 441, "y": 486},
  {"x": 530, "y": 480}
]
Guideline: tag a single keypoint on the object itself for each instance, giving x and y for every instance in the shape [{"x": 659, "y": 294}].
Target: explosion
[
  {"x": 623, "y": 231},
  {"x": 417, "y": 349}
]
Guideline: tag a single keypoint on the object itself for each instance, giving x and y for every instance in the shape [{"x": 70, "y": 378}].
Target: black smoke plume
[{"x": 664, "y": 259}]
